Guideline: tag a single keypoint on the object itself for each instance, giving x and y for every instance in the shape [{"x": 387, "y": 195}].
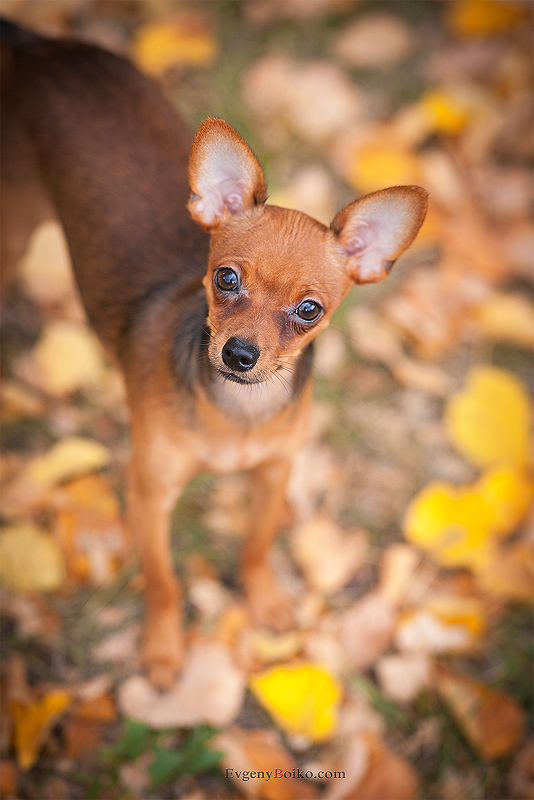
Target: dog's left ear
[
  {"x": 225, "y": 177},
  {"x": 372, "y": 232}
]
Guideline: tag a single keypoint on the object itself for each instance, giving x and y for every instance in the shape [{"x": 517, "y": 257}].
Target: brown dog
[{"x": 213, "y": 333}]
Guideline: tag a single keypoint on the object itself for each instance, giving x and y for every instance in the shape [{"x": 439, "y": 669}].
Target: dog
[{"x": 206, "y": 297}]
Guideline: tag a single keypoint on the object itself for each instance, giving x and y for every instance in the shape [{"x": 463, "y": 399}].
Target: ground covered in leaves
[{"x": 408, "y": 551}]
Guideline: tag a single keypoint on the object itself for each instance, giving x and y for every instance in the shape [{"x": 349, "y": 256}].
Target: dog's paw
[
  {"x": 270, "y": 606},
  {"x": 162, "y": 650}
]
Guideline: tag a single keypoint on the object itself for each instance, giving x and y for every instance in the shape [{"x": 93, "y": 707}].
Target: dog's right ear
[{"x": 225, "y": 177}]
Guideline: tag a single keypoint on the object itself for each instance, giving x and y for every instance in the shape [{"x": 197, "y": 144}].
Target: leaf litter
[{"x": 407, "y": 546}]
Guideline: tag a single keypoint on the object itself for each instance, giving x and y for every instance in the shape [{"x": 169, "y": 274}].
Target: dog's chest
[
  {"x": 246, "y": 428},
  {"x": 251, "y": 404}
]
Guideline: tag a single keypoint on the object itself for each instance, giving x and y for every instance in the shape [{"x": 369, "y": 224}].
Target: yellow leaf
[
  {"x": 165, "y": 44},
  {"x": 446, "y": 111},
  {"x": 485, "y": 17},
  {"x": 67, "y": 459},
  {"x": 68, "y": 357},
  {"x": 32, "y": 724},
  {"x": 507, "y": 318},
  {"x": 490, "y": 420},
  {"x": 509, "y": 492},
  {"x": 30, "y": 559},
  {"x": 376, "y": 166},
  {"x": 452, "y": 524},
  {"x": 303, "y": 699},
  {"x": 491, "y": 719}
]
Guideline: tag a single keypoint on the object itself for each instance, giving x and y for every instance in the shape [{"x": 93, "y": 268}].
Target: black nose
[{"x": 239, "y": 354}]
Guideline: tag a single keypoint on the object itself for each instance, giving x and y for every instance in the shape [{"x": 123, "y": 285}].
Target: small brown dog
[{"x": 212, "y": 333}]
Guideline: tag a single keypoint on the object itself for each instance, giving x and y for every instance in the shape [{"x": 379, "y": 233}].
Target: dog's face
[
  {"x": 273, "y": 282},
  {"x": 276, "y": 276}
]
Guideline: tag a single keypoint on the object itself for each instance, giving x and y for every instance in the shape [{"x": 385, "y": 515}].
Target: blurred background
[{"x": 409, "y": 548}]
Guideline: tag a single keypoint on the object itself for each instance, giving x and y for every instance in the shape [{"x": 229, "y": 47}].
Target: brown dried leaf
[
  {"x": 328, "y": 556},
  {"x": 373, "y": 772},
  {"x": 491, "y": 719},
  {"x": 210, "y": 690},
  {"x": 255, "y": 751},
  {"x": 403, "y": 676},
  {"x": 374, "y": 40},
  {"x": 366, "y": 628}
]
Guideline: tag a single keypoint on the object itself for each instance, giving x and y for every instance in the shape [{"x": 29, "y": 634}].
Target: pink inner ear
[
  {"x": 375, "y": 230},
  {"x": 359, "y": 239}
]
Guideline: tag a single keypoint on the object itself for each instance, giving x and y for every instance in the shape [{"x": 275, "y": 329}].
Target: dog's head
[{"x": 275, "y": 276}]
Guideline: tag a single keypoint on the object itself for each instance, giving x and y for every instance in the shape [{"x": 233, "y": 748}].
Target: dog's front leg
[
  {"x": 152, "y": 494},
  {"x": 269, "y": 604}
]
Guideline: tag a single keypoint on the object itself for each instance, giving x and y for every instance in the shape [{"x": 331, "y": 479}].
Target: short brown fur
[{"x": 216, "y": 378}]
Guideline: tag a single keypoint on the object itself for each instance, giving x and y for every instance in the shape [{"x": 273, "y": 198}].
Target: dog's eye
[
  {"x": 226, "y": 279},
  {"x": 309, "y": 310}
]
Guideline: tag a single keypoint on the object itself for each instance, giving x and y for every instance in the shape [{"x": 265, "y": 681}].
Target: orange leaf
[
  {"x": 33, "y": 722},
  {"x": 484, "y": 17}
]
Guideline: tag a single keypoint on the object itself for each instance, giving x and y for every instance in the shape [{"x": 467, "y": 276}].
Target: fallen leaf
[
  {"x": 17, "y": 401},
  {"x": 432, "y": 328},
  {"x": 377, "y": 165},
  {"x": 253, "y": 751},
  {"x": 507, "y": 317},
  {"x": 210, "y": 690},
  {"x": 67, "y": 459},
  {"x": 397, "y": 567},
  {"x": 424, "y": 632},
  {"x": 521, "y": 782},
  {"x": 373, "y": 772},
  {"x": 68, "y": 357},
  {"x": 509, "y": 492},
  {"x": 447, "y": 111},
  {"x": 81, "y": 736},
  {"x": 374, "y": 40},
  {"x": 366, "y": 628},
  {"x": 97, "y": 709},
  {"x": 32, "y": 615},
  {"x": 8, "y": 778},
  {"x": 313, "y": 100},
  {"x": 311, "y": 190},
  {"x": 89, "y": 529},
  {"x": 453, "y": 524},
  {"x": 33, "y": 723},
  {"x": 484, "y": 17},
  {"x": 269, "y": 647},
  {"x": 422, "y": 376},
  {"x": 303, "y": 699},
  {"x": 184, "y": 40},
  {"x": 30, "y": 559},
  {"x": 45, "y": 266},
  {"x": 509, "y": 574},
  {"x": 402, "y": 676},
  {"x": 327, "y": 556},
  {"x": 492, "y": 720},
  {"x": 490, "y": 420}
]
